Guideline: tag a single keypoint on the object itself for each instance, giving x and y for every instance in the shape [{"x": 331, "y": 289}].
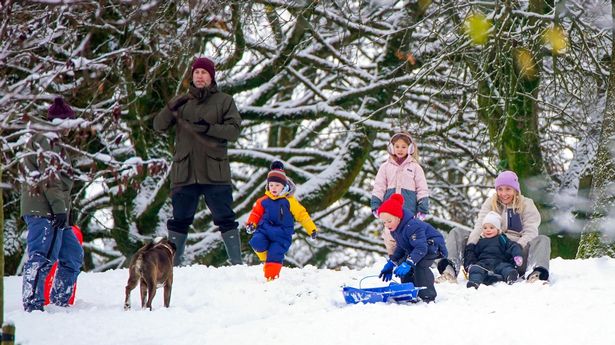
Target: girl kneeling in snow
[
  {"x": 272, "y": 221},
  {"x": 418, "y": 245}
]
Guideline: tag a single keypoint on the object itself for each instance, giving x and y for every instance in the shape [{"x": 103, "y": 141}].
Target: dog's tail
[
  {"x": 139, "y": 263},
  {"x": 139, "y": 258}
]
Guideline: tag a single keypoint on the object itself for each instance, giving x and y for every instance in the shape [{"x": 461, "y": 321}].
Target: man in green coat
[
  {"x": 205, "y": 121},
  {"x": 45, "y": 206}
]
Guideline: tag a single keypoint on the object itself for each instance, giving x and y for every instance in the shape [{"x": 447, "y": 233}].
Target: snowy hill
[{"x": 234, "y": 305}]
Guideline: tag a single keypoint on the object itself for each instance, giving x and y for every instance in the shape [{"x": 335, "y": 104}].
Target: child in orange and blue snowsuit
[{"x": 272, "y": 221}]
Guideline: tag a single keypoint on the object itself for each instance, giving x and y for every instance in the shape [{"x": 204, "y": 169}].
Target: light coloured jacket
[
  {"x": 530, "y": 220},
  {"x": 407, "y": 179}
]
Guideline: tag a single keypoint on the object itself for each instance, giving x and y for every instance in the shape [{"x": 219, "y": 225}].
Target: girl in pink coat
[{"x": 402, "y": 174}]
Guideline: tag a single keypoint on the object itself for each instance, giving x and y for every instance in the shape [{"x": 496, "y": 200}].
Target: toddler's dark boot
[
  {"x": 512, "y": 277},
  {"x": 472, "y": 284}
]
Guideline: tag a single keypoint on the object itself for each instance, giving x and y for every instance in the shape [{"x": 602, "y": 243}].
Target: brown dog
[{"x": 152, "y": 265}]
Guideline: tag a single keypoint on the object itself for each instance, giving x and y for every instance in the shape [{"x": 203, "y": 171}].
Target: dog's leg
[
  {"x": 133, "y": 277},
  {"x": 151, "y": 291},
  {"x": 143, "y": 287},
  {"x": 167, "y": 290}
]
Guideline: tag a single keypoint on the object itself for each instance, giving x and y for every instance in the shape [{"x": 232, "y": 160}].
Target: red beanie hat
[
  {"x": 393, "y": 205},
  {"x": 207, "y": 65}
]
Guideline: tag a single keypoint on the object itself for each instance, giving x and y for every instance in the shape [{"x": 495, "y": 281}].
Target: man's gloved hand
[
  {"x": 177, "y": 103},
  {"x": 518, "y": 260},
  {"x": 386, "y": 273},
  {"x": 59, "y": 221},
  {"x": 250, "y": 228},
  {"x": 404, "y": 268},
  {"x": 204, "y": 125},
  {"x": 314, "y": 234}
]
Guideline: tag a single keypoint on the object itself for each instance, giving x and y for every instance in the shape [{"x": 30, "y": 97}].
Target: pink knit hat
[{"x": 508, "y": 178}]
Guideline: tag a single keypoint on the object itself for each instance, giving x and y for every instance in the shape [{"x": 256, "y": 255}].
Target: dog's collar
[{"x": 166, "y": 246}]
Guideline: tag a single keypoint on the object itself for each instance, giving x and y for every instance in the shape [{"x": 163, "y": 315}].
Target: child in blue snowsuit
[
  {"x": 418, "y": 245},
  {"x": 494, "y": 257},
  {"x": 272, "y": 221},
  {"x": 45, "y": 206}
]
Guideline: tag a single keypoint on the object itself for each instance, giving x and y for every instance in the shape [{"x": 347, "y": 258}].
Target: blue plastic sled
[{"x": 404, "y": 292}]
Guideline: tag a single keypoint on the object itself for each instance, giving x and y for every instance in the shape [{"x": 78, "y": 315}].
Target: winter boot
[
  {"x": 533, "y": 277},
  {"x": 448, "y": 276},
  {"x": 539, "y": 273},
  {"x": 31, "y": 308},
  {"x": 232, "y": 244},
  {"x": 472, "y": 284},
  {"x": 512, "y": 277},
  {"x": 272, "y": 270},
  {"x": 179, "y": 240}
]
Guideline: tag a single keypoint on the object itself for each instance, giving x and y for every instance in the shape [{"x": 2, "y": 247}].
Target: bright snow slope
[{"x": 234, "y": 305}]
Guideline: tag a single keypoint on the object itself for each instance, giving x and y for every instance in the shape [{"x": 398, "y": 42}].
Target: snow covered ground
[{"x": 234, "y": 305}]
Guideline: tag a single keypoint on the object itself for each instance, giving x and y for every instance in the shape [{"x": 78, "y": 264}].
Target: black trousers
[
  {"x": 421, "y": 276},
  {"x": 218, "y": 198}
]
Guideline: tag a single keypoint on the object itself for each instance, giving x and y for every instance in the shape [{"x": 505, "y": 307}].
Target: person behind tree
[
  {"x": 206, "y": 120},
  {"x": 45, "y": 208},
  {"x": 272, "y": 221},
  {"x": 494, "y": 257},
  {"x": 418, "y": 245},
  {"x": 520, "y": 221},
  {"x": 402, "y": 174}
]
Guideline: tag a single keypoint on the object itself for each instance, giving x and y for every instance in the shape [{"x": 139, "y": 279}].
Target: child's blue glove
[
  {"x": 387, "y": 271},
  {"x": 404, "y": 268}
]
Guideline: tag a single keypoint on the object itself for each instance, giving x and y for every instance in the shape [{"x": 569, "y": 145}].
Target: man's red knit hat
[{"x": 393, "y": 205}]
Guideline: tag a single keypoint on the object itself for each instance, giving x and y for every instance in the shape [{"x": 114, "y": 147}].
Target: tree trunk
[
  {"x": 507, "y": 104},
  {"x": 1, "y": 251},
  {"x": 597, "y": 238}
]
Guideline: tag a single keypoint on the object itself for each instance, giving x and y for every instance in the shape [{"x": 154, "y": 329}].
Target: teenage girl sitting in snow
[
  {"x": 418, "y": 245},
  {"x": 272, "y": 221},
  {"x": 494, "y": 257},
  {"x": 402, "y": 174}
]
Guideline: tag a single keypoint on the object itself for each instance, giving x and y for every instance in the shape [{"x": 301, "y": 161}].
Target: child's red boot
[{"x": 272, "y": 270}]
